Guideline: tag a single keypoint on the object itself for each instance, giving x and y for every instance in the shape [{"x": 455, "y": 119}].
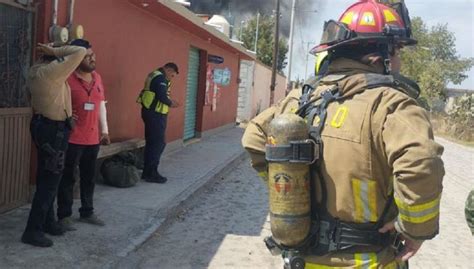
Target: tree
[
  {"x": 265, "y": 42},
  {"x": 434, "y": 62}
]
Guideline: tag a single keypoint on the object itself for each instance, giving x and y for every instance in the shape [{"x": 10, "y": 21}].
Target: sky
[{"x": 457, "y": 14}]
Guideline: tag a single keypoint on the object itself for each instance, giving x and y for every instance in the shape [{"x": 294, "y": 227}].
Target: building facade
[{"x": 131, "y": 38}]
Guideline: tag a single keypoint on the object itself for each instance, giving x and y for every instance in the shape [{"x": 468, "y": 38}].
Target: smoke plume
[{"x": 240, "y": 10}]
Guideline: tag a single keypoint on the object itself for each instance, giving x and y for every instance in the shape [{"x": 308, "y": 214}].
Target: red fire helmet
[{"x": 368, "y": 21}]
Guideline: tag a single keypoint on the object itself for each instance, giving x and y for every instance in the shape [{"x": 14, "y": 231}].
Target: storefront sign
[{"x": 215, "y": 59}]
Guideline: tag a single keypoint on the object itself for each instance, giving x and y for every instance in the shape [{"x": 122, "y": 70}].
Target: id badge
[{"x": 88, "y": 106}]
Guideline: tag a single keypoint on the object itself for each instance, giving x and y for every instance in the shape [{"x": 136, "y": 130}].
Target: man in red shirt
[{"x": 88, "y": 104}]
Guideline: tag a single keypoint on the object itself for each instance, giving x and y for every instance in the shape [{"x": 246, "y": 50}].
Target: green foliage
[
  {"x": 463, "y": 110},
  {"x": 434, "y": 62},
  {"x": 265, "y": 41}
]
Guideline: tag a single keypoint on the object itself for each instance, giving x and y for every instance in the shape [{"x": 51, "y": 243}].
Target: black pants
[
  {"x": 85, "y": 156},
  {"x": 155, "y": 128},
  {"x": 51, "y": 140}
]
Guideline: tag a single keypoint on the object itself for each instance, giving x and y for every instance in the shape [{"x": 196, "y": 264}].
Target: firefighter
[
  {"x": 155, "y": 101},
  {"x": 469, "y": 211},
  {"x": 376, "y": 186}
]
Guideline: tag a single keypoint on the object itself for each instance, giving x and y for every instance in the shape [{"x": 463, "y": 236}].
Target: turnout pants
[
  {"x": 85, "y": 157},
  {"x": 51, "y": 140},
  {"x": 155, "y": 128}
]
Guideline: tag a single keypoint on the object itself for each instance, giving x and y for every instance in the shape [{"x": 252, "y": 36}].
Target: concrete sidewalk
[{"x": 132, "y": 215}]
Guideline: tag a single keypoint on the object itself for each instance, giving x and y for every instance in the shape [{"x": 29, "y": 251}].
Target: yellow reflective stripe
[
  {"x": 347, "y": 19},
  {"x": 372, "y": 201},
  {"x": 340, "y": 117},
  {"x": 418, "y": 220},
  {"x": 319, "y": 266},
  {"x": 418, "y": 213},
  {"x": 389, "y": 17},
  {"x": 362, "y": 261},
  {"x": 358, "y": 210},
  {"x": 162, "y": 108},
  {"x": 365, "y": 260},
  {"x": 417, "y": 208},
  {"x": 365, "y": 200}
]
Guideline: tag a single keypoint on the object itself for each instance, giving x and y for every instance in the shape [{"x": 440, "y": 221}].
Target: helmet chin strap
[{"x": 387, "y": 64}]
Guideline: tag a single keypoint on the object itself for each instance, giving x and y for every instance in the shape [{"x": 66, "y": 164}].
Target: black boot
[
  {"x": 157, "y": 179},
  {"x": 54, "y": 228},
  {"x": 36, "y": 239}
]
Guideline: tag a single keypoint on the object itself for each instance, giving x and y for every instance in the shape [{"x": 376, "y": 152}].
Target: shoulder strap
[{"x": 396, "y": 81}]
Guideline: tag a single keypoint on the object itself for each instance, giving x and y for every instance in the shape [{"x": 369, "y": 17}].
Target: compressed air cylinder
[{"x": 289, "y": 184}]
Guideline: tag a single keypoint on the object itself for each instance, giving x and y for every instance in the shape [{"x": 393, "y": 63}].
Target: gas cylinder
[{"x": 288, "y": 183}]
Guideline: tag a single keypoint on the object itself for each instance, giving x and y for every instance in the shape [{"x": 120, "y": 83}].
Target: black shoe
[
  {"x": 157, "y": 179},
  {"x": 92, "y": 219},
  {"x": 54, "y": 229},
  {"x": 36, "y": 239}
]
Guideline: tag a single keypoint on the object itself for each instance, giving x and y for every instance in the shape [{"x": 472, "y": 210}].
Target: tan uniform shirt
[
  {"x": 376, "y": 141},
  {"x": 50, "y": 93}
]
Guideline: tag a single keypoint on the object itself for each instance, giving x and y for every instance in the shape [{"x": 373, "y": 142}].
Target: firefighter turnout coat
[{"x": 376, "y": 142}]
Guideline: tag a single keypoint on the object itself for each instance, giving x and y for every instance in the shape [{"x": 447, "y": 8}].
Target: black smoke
[{"x": 237, "y": 10}]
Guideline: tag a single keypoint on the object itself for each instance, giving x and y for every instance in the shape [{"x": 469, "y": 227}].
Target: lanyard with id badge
[{"x": 89, "y": 106}]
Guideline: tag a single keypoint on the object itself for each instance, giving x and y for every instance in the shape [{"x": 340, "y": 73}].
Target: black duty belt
[
  {"x": 336, "y": 236},
  {"x": 48, "y": 120},
  {"x": 68, "y": 123}
]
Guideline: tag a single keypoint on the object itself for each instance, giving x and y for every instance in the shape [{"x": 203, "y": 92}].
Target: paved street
[
  {"x": 226, "y": 225},
  {"x": 454, "y": 246},
  {"x": 225, "y": 229}
]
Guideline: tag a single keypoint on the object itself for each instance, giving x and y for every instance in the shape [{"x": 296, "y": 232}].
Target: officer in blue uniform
[{"x": 155, "y": 100}]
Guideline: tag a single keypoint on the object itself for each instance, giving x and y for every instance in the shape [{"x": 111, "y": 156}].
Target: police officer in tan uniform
[
  {"x": 378, "y": 180},
  {"x": 50, "y": 128}
]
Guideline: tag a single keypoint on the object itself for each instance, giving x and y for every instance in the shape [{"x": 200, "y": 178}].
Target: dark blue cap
[{"x": 81, "y": 43}]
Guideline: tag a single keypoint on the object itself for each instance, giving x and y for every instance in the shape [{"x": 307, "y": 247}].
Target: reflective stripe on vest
[
  {"x": 147, "y": 97},
  {"x": 362, "y": 261}
]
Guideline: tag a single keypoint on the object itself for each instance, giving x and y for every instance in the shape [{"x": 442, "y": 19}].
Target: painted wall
[
  {"x": 261, "y": 89},
  {"x": 244, "y": 105},
  {"x": 129, "y": 43},
  {"x": 280, "y": 89}
]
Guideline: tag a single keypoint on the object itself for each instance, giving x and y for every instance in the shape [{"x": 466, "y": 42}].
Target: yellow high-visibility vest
[{"x": 147, "y": 96}]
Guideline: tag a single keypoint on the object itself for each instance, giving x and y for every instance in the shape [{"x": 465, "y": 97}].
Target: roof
[
  {"x": 180, "y": 16},
  {"x": 458, "y": 92}
]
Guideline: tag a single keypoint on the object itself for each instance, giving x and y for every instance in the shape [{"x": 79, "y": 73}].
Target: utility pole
[
  {"x": 241, "y": 28},
  {"x": 275, "y": 51},
  {"x": 290, "y": 50},
  {"x": 307, "y": 59},
  {"x": 256, "y": 33}
]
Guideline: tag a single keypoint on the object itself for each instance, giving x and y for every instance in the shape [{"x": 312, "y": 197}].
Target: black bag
[{"x": 120, "y": 170}]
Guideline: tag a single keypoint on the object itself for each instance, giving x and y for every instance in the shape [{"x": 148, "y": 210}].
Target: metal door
[
  {"x": 191, "y": 95},
  {"x": 15, "y": 141}
]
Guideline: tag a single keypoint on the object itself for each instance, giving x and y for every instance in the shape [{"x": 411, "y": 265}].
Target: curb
[{"x": 165, "y": 216}]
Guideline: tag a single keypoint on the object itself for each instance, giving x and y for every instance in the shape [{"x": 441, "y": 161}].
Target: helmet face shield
[{"x": 335, "y": 32}]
